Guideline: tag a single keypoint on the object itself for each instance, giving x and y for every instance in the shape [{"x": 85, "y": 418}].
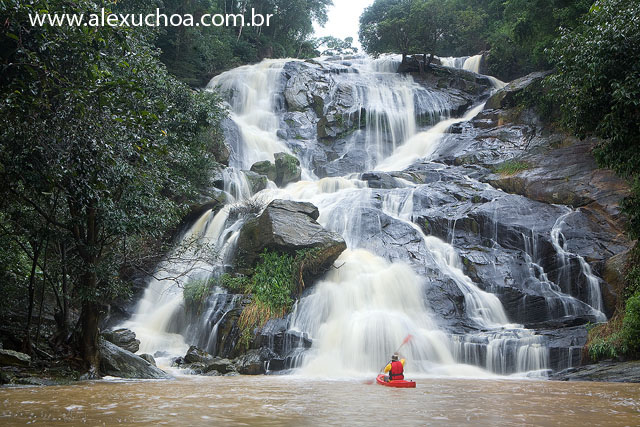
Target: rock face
[
  {"x": 14, "y": 358},
  {"x": 149, "y": 358},
  {"x": 123, "y": 338},
  {"x": 625, "y": 372},
  {"x": 287, "y": 226},
  {"x": 329, "y": 113},
  {"x": 507, "y": 96},
  {"x": 287, "y": 169},
  {"x": 118, "y": 362}
]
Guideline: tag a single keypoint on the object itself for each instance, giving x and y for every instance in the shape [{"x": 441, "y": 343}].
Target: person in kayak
[{"x": 395, "y": 368}]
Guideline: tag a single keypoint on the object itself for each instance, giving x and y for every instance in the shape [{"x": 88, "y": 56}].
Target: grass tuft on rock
[{"x": 511, "y": 167}]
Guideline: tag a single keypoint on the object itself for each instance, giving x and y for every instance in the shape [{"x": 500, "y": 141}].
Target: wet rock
[
  {"x": 215, "y": 200},
  {"x": 196, "y": 355},
  {"x": 507, "y": 96},
  {"x": 220, "y": 365},
  {"x": 380, "y": 180},
  {"x": 232, "y": 141},
  {"x": 253, "y": 362},
  {"x": 566, "y": 175},
  {"x": 287, "y": 169},
  {"x": 288, "y": 226},
  {"x": 14, "y": 358},
  {"x": 256, "y": 181},
  {"x": 118, "y": 362},
  {"x": 623, "y": 372},
  {"x": 265, "y": 168},
  {"x": 614, "y": 274},
  {"x": 123, "y": 338},
  {"x": 149, "y": 358}
]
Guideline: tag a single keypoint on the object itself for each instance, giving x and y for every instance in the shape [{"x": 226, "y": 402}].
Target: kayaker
[{"x": 395, "y": 368}]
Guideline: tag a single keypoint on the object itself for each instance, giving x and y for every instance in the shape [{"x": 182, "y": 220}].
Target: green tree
[
  {"x": 598, "y": 85},
  {"x": 405, "y": 26},
  {"x": 195, "y": 54},
  {"x": 384, "y": 27},
  {"x": 93, "y": 122}
]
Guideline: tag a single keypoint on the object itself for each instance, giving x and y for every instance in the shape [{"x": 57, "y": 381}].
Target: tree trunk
[
  {"x": 26, "y": 343},
  {"x": 88, "y": 342},
  {"x": 65, "y": 291}
]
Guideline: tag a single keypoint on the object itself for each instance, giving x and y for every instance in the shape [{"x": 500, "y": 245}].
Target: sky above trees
[{"x": 344, "y": 16}]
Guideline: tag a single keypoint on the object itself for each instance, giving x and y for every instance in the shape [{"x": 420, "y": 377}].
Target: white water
[
  {"x": 594, "y": 296},
  {"x": 251, "y": 92},
  {"x": 362, "y": 310},
  {"x": 424, "y": 144},
  {"x": 471, "y": 63}
]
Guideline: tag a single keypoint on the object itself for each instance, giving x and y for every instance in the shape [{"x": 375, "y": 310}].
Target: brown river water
[{"x": 295, "y": 401}]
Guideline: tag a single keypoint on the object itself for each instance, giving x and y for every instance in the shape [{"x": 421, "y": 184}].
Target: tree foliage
[
  {"x": 598, "y": 85},
  {"x": 100, "y": 148},
  {"x": 195, "y": 54},
  {"x": 515, "y": 32}
]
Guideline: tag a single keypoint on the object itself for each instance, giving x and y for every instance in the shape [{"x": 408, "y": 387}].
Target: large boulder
[
  {"x": 220, "y": 365},
  {"x": 507, "y": 97},
  {"x": 285, "y": 170},
  {"x": 118, "y": 362},
  {"x": 149, "y": 358},
  {"x": 287, "y": 226},
  {"x": 196, "y": 355},
  {"x": 14, "y": 358},
  {"x": 266, "y": 168},
  {"x": 254, "y": 362},
  {"x": 123, "y": 338}
]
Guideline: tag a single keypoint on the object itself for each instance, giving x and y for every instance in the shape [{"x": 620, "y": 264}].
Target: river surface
[{"x": 293, "y": 401}]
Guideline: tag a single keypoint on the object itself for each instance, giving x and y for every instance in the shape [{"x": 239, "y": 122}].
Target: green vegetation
[
  {"x": 598, "y": 86},
  {"x": 195, "y": 54},
  {"x": 196, "y": 292},
  {"x": 332, "y": 46},
  {"x": 405, "y": 26},
  {"x": 515, "y": 32},
  {"x": 277, "y": 279},
  {"x": 620, "y": 337},
  {"x": 101, "y": 151},
  {"x": 511, "y": 167}
]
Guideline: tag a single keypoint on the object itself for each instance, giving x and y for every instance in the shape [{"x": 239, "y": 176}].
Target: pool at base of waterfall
[{"x": 293, "y": 400}]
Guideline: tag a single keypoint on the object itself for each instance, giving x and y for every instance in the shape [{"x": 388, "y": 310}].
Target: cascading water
[{"x": 389, "y": 281}]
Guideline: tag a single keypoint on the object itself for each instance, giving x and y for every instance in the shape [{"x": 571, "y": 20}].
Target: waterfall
[
  {"x": 592, "y": 290},
  {"x": 252, "y": 92},
  {"x": 471, "y": 63},
  {"x": 422, "y": 145},
  {"x": 385, "y": 285},
  {"x": 360, "y": 312}
]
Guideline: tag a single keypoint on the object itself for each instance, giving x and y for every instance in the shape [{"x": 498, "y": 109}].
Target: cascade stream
[{"x": 395, "y": 278}]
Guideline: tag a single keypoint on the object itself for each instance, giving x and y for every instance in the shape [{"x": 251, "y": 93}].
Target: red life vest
[{"x": 397, "y": 371}]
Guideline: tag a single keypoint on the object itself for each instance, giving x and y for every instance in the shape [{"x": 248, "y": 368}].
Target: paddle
[{"x": 406, "y": 340}]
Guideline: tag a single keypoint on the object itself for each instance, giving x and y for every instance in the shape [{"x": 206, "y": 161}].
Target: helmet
[{"x": 394, "y": 357}]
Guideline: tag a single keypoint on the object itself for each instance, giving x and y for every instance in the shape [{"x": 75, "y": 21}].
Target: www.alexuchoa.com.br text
[{"x": 157, "y": 19}]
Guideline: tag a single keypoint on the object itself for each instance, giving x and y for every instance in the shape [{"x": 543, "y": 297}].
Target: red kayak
[{"x": 395, "y": 383}]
